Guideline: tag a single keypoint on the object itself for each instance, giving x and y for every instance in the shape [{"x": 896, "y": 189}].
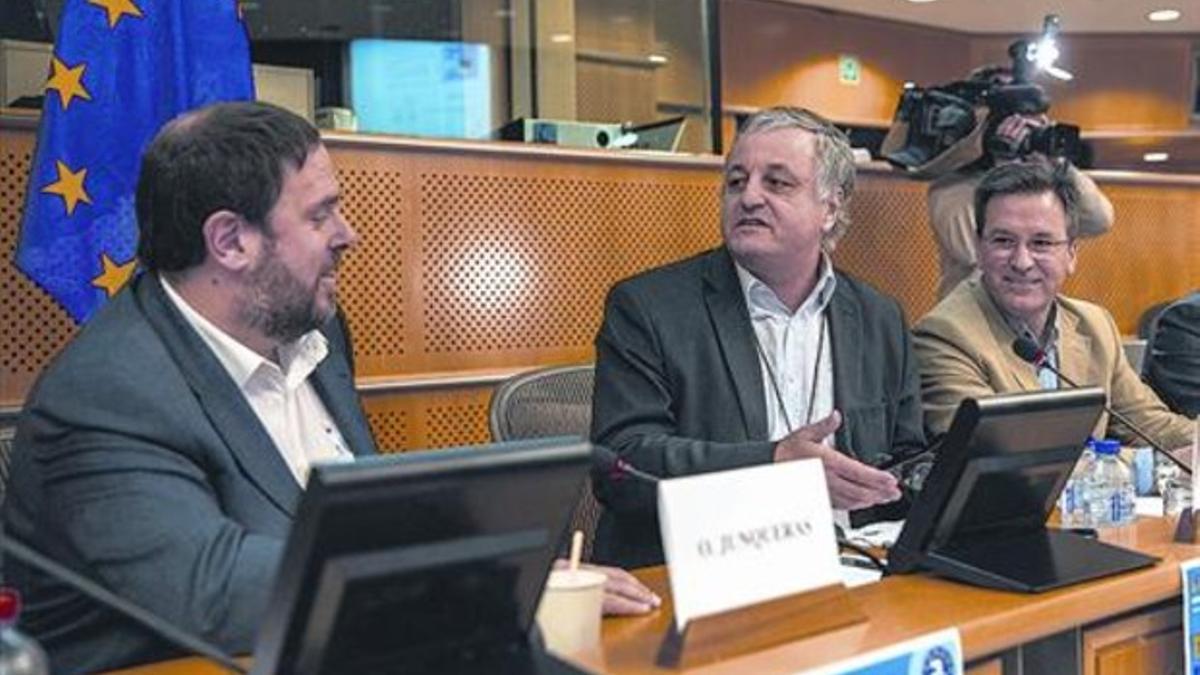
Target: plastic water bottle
[
  {"x": 19, "y": 654},
  {"x": 1073, "y": 502},
  {"x": 1111, "y": 491}
]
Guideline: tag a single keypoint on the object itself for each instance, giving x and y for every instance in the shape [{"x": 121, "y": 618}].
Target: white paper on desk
[
  {"x": 937, "y": 653},
  {"x": 736, "y": 538},
  {"x": 1195, "y": 463}
]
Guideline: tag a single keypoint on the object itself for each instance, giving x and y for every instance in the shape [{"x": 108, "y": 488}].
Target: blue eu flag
[{"x": 120, "y": 69}]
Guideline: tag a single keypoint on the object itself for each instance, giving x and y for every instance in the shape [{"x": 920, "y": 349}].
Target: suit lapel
[
  {"x": 335, "y": 385},
  {"x": 1075, "y": 358},
  {"x": 219, "y": 396},
  {"x": 735, "y": 336},
  {"x": 845, "y": 337}
]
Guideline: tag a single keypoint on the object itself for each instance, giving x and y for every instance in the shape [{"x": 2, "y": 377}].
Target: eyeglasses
[{"x": 1038, "y": 247}]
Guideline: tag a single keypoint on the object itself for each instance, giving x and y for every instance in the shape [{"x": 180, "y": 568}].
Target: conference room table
[{"x": 1117, "y": 624}]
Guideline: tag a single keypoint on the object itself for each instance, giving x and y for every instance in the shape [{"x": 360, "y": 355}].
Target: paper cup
[{"x": 569, "y": 614}]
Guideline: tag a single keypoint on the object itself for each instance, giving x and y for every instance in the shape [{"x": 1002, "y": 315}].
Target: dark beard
[{"x": 279, "y": 305}]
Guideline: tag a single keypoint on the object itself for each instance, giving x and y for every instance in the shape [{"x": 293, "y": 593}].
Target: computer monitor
[
  {"x": 421, "y": 562},
  {"x": 981, "y": 515}
]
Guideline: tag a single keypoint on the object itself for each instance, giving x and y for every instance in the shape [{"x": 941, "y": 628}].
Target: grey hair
[{"x": 835, "y": 161}]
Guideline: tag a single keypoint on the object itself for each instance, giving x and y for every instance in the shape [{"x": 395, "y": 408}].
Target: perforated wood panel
[
  {"x": 482, "y": 258},
  {"x": 389, "y": 426},
  {"x": 372, "y": 287},
  {"x": 32, "y": 327},
  {"x": 429, "y": 419},
  {"x": 1152, "y": 253},
  {"x": 889, "y": 243},
  {"x": 513, "y": 263}
]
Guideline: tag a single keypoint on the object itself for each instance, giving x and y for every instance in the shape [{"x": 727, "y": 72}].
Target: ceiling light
[
  {"x": 1160, "y": 15},
  {"x": 656, "y": 58},
  {"x": 561, "y": 38},
  {"x": 1155, "y": 157}
]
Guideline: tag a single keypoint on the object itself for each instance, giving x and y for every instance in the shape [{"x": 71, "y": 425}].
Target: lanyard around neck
[{"x": 816, "y": 376}]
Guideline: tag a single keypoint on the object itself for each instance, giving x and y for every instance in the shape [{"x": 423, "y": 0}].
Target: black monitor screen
[
  {"x": 396, "y": 561},
  {"x": 1000, "y": 468}
]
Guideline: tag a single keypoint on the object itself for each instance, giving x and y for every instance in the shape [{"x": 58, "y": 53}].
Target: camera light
[
  {"x": 1161, "y": 15},
  {"x": 1046, "y": 53},
  {"x": 1156, "y": 157},
  {"x": 1059, "y": 74}
]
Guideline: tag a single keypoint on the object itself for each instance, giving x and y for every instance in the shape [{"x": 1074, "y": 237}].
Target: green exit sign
[{"x": 849, "y": 69}]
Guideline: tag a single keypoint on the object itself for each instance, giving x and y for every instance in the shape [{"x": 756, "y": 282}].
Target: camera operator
[{"x": 950, "y": 198}]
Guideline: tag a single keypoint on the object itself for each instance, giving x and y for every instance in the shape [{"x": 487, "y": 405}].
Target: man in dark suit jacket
[
  {"x": 150, "y": 459},
  {"x": 164, "y": 452},
  {"x": 720, "y": 361},
  {"x": 1173, "y": 356}
]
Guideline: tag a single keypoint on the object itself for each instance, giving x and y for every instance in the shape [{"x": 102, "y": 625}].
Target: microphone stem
[{"x": 1137, "y": 431}]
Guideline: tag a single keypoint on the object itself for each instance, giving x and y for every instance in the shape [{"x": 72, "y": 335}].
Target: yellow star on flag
[
  {"x": 67, "y": 81},
  {"x": 69, "y": 186},
  {"x": 114, "y": 276},
  {"x": 117, "y": 9}
]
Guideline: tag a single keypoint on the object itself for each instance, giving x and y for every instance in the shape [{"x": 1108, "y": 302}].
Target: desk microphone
[
  {"x": 1029, "y": 351},
  {"x": 107, "y": 599},
  {"x": 617, "y": 468}
]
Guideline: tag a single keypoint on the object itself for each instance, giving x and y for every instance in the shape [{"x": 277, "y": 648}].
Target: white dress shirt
[
  {"x": 790, "y": 342},
  {"x": 280, "y": 394}
]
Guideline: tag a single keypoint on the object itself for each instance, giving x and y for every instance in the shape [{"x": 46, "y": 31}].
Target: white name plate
[
  {"x": 736, "y": 538},
  {"x": 937, "y": 653}
]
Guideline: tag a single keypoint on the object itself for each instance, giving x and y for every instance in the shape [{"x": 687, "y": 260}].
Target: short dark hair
[
  {"x": 228, "y": 156},
  {"x": 1029, "y": 178}
]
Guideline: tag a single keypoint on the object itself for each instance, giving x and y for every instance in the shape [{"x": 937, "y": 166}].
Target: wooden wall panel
[
  {"x": 1151, "y": 255},
  {"x": 441, "y": 418},
  {"x": 889, "y": 243},
  {"x": 478, "y": 258},
  {"x": 1122, "y": 82},
  {"x": 776, "y": 53}
]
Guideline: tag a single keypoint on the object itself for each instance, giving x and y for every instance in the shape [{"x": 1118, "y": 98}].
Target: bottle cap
[
  {"x": 10, "y": 606},
  {"x": 1108, "y": 446}
]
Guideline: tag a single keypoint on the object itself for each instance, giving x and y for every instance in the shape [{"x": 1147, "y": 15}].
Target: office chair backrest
[
  {"x": 1149, "y": 317},
  {"x": 550, "y": 402}
]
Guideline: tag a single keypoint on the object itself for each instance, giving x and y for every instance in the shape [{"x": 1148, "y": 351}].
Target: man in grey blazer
[
  {"x": 164, "y": 451},
  {"x": 758, "y": 351},
  {"x": 1173, "y": 356}
]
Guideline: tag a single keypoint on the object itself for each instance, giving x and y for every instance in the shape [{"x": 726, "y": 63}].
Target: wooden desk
[
  {"x": 990, "y": 622},
  {"x": 1103, "y": 624}
]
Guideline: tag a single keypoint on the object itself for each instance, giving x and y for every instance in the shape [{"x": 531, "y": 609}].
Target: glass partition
[
  {"x": 595, "y": 73},
  {"x": 589, "y": 73}
]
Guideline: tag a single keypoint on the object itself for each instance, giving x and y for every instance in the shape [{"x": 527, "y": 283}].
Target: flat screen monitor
[
  {"x": 981, "y": 515},
  {"x": 422, "y": 562},
  {"x": 421, "y": 87}
]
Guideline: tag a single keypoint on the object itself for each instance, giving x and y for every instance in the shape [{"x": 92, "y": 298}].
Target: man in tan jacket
[{"x": 1027, "y": 221}]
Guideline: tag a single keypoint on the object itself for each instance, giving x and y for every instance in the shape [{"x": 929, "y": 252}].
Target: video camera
[{"x": 941, "y": 129}]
